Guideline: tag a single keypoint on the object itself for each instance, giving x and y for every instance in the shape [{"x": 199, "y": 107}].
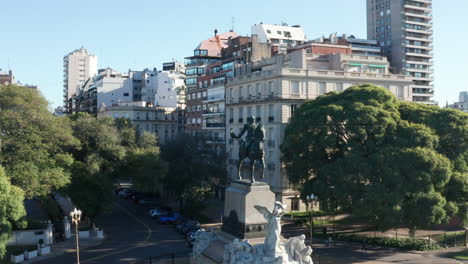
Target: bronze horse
[{"x": 252, "y": 148}]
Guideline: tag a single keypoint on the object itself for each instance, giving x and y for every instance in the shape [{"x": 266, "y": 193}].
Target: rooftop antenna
[{"x": 233, "y": 22}]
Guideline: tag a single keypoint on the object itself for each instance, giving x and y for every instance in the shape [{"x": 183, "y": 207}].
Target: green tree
[
  {"x": 451, "y": 126},
  {"x": 99, "y": 155},
  {"x": 144, "y": 165},
  {"x": 354, "y": 150},
  {"x": 193, "y": 168},
  {"x": 35, "y": 145},
  {"x": 12, "y": 210}
]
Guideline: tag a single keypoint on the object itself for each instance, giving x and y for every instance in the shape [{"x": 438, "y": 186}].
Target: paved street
[{"x": 131, "y": 237}]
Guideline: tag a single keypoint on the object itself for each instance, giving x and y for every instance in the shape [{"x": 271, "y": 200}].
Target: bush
[
  {"x": 402, "y": 243},
  {"x": 298, "y": 215}
]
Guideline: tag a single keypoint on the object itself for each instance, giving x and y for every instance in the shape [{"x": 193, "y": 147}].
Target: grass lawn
[{"x": 461, "y": 255}]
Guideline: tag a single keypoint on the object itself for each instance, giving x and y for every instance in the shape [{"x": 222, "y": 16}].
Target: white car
[{"x": 157, "y": 212}]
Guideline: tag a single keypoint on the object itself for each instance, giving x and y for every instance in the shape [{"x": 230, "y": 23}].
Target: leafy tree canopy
[
  {"x": 35, "y": 144},
  {"x": 360, "y": 149},
  {"x": 11, "y": 210}
]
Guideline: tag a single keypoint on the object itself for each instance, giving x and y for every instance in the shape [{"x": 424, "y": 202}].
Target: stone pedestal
[{"x": 240, "y": 218}]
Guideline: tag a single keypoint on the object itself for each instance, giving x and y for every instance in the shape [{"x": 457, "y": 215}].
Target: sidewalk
[{"x": 67, "y": 246}]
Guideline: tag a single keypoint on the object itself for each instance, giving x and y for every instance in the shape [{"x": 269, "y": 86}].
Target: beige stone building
[
  {"x": 273, "y": 88},
  {"x": 162, "y": 121}
]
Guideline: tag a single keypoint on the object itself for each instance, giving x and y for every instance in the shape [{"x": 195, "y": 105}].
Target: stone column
[
  {"x": 66, "y": 228},
  {"x": 49, "y": 236}
]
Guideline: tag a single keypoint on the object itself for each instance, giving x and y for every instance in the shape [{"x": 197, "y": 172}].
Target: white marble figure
[
  {"x": 273, "y": 251},
  {"x": 297, "y": 251},
  {"x": 272, "y": 241},
  {"x": 239, "y": 252},
  {"x": 202, "y": 241}
]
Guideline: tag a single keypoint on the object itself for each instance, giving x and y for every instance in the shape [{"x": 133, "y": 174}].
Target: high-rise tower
[
  {"x": 78, "y": 66},
  {"x": 404, "y": 31}
]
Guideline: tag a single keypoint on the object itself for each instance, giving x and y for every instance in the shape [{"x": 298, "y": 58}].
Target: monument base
[{"x": 240, "y": 218}]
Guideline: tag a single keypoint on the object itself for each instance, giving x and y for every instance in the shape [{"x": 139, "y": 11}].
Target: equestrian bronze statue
[{"x": 252, "y": 146}]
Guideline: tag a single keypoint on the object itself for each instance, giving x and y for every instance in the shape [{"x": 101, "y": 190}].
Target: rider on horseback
[
  {"x": 252, "y": 147},
  {"x": 250, "y": 128}
]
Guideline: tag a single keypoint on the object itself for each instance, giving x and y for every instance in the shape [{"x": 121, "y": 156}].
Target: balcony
[
  {"x": 213, "y": 113},
  {"x": 420, "y": 31},
  {"x": 423, "y": 8},
  {"x": 424, "y": 16},
  {"x": 428, "y": 40},
  {"x": 418, "y": 47},
  {"x": 215, "y": 126},
  {"x": 411, "y": 54}
]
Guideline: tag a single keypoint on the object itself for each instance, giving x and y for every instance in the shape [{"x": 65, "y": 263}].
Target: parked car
[
  {"x": 148, "y": 202},
  {"x": 157, "y": 212},
  {"x": 169, "y": 218},
  {"x": 190, "y": 226},
  {"x": 125, "y": 193},
  {"x": 186, "y": 223}
]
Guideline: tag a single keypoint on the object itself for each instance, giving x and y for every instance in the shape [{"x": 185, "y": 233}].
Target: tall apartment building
[
  {"x": 404, "y": 31},
  {"x": 78, "y": 67},
  {"x": 170, "y": 88},
  {"x": 206, "y": 53},
  {"x": 272, "y": 89},
  {"x": 108, "y": 88}
]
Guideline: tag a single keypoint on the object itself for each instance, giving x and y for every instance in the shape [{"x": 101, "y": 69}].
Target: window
[
  {"x": 199, "y": 121},
  {"x": 268, "y": 31},
  {"x": 231, "y": 92},
  {"x": 258, "y": 89},
  {"x": 271, "y": 110},
  {"x": 293, "y": 109},
  {"x": 240, "y": 92},
  {"x": 241, "y": 113},
  {"x": 279, "y": 32},
  {"x": 250, "y": 90},
  {"x": 126, "y": 94},
  {"x": 258, "y": 112},
  {"x": 231, "y": 112},
  {"x": 249, "y": 111},
  {"x": 294, "y": 87},
  {"x": 272, "y": 87},
  {"x": 198, "y": 95},
  {"x": 287, "y": 34},
  {"x": 401, "y": 91},
  {"x": 295, "y": 204},
  {"x": 339, "y": 87},
  {"x": 322, "y": 88}
]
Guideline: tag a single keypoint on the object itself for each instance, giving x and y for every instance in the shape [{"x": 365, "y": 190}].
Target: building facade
[
  {"x": 6, "y": 78},
  {"x": 170, "y": 88},
  {"x": 161, "y": 121},
  {"x": 404, "y": 30},
  {"x": 462, "y": 103},
  {"x": 272, "y": 89},
  {"x": 78, "y": 67},
  {"x": 279, "y": 36},
  {"x": 206, "y": 53}
]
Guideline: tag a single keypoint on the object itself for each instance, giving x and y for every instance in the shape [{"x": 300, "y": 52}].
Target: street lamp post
[
  {"x": 75, "y": 217},
  {"x": 310, "y": 199},
  {"x": 334, "y": 208}
]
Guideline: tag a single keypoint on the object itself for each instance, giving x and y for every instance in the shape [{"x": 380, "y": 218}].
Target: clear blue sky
[{"x": 35, "y": 35}]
